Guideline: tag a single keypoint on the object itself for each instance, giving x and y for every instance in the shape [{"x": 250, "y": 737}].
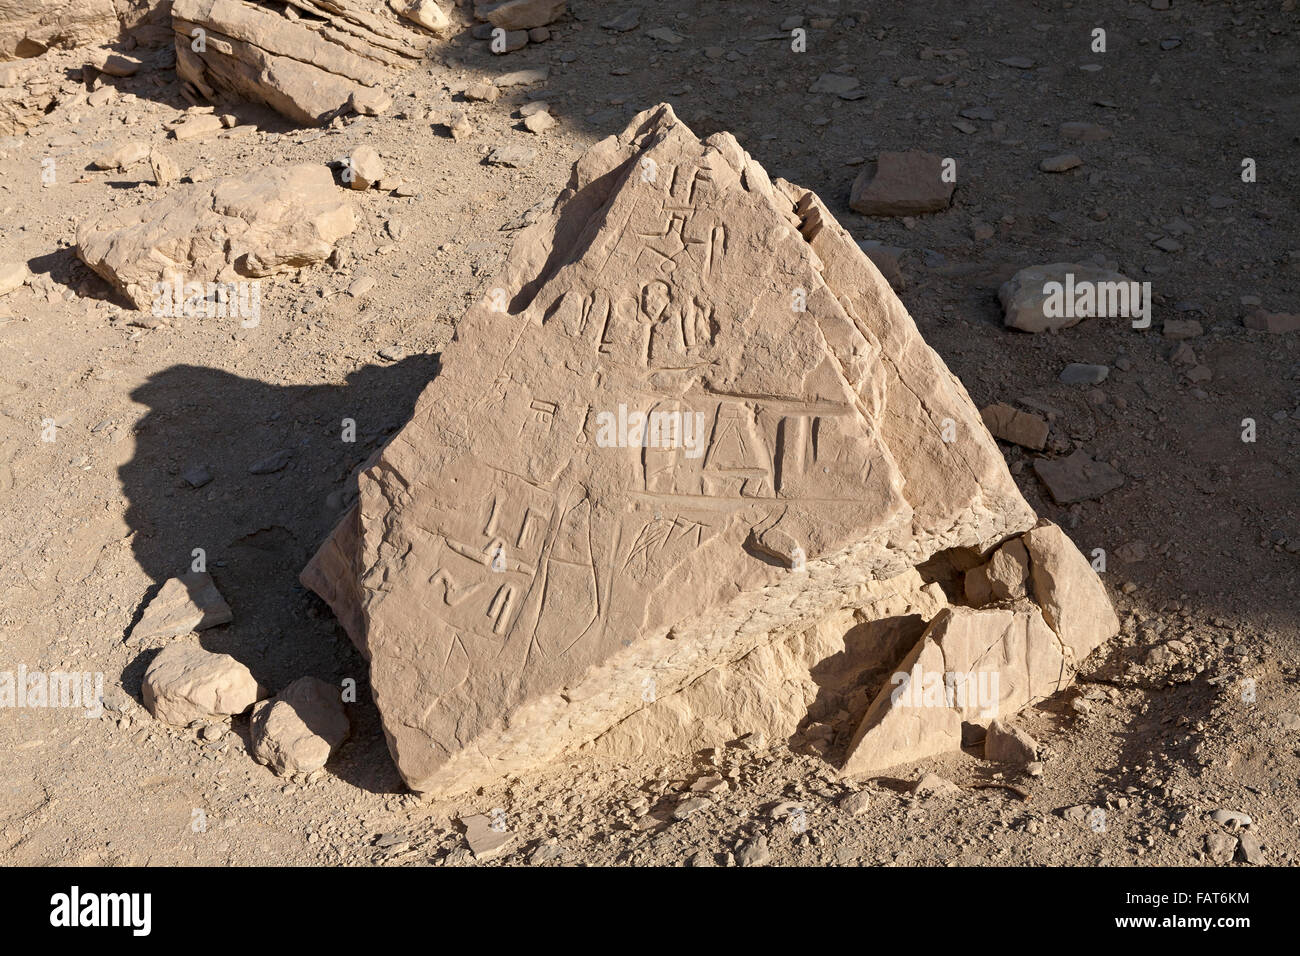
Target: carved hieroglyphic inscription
[
  {"x": 646, "y": 335},
  {"x": 517, "y": 571}
]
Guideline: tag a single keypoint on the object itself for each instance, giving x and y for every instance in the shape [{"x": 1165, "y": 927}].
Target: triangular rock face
[{"x": 526, "y": 567}]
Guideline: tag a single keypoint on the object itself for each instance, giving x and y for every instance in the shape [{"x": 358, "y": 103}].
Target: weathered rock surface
[
  {"x": 30, "y": 27},
  {"x": 1013, "y": 425},
  {"x": 528, "y": 578},
  {"x": 185, "y": 683},
  {"x": 809, "y": 672},
  {"x": 24, "y": 99},
  {"x": 519, "y": 14},
  {"x": 267, "y": 222},
  {"x": 902, "y": 184},
  {"x": 13, "y": 275},
  {"x": 1006, "y": 743},
  {"x": 298, "y": 729},
  {"x": 975, "y": 665},
  {"x": 309, "y": 70},
  {"x": 188, "y": 603},
  {"x": 1025, "y": 295},
  {"x": 1275, "y": 322},
  {"x": 1077, "y": 477}
]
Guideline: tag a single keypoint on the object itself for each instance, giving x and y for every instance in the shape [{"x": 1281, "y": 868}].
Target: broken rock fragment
[
  {"x": 1071, "y": 595},
  {"x": 13, "y": 275},
  {"x": 185, "y": 683},
  {"x": 1006, "y": 743},
  {"x": 519, "y": 14},
  {"x": 903, "y": 184},
  {"x": 487, "y": 835},
  {"x": 539, "y": 122},
  {"x": 265, "y": 222},
  {"x": 1062, "y": 294},
  {"x": 364, "y": 168},
  {"x": 165, "y": 170},
  {"x": 1020, "y": 428},
  {"x": 122, "y": 157},
  {"x": 482, "y": 91},
  {"x": 1077, "y": 477},
  {"x": 188, "y": 603},
  {"x": 199, "y": 126},
  {"x": 1060, "y": 164},
  {"x": 298, "y": 729},
  {"x": 971, "y": 665},
  {"x": 426, "y": 13},
  {"x": 113, "y": 64},
  {"x": 533, "y": 576},
  {"x": 1275, "y": 322},
  {"x": 1001, "y": 578},
  {"x": 933, "y": 785}
]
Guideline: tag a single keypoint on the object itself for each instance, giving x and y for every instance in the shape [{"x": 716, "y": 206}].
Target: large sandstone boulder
[
  {"x": 531, "y": 571},
  {"x": 308, "y": 69},
  {"x": 269, "y": 221}
]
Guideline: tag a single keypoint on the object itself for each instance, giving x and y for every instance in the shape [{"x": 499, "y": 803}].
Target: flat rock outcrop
[
  {"x": 311, "y": 63},
  {"x": 269, "y": 221},
  {"x": 30, "y": 27}
]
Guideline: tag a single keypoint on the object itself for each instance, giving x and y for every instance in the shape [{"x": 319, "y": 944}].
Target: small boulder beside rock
[
  {"x": 297, "y": 730},
  {"x": 186, "y": 683},
  {"x": 1005, "y": 743}
]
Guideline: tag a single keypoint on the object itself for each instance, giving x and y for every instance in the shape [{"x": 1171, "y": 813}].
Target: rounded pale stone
[
  {"x": 185, "y": 683},
  {"x": 296, "y": 731}
]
